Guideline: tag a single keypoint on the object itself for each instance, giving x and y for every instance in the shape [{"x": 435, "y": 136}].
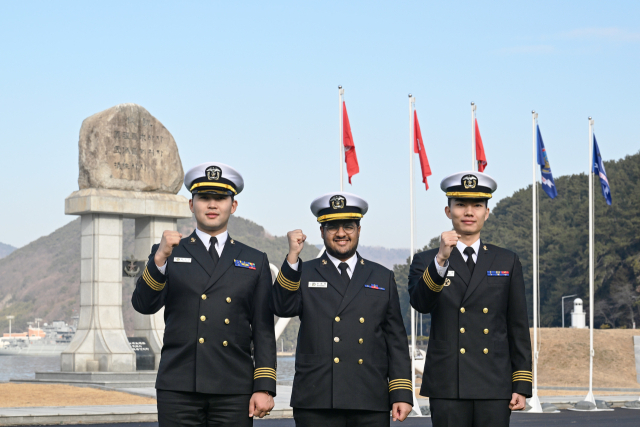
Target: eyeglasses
[{"x": 348, "y": 228}]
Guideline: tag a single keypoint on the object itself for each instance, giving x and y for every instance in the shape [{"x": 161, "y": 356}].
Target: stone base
[
  {"x": 130, "y": 204},
  {"x": 103, "y": 379}
]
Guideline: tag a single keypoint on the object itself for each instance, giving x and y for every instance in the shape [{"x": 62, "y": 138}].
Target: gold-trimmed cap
[
  {"x": 214, "y": 177},
  {"x": 339, "y": 206},
  {"x": 469, "y": 185}
]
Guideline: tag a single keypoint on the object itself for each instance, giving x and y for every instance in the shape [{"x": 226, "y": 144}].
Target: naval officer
[
  {"x": 478, "y": 365},
  {"x": 216, "y": 293},
  {"x": 352, "y": 359}
]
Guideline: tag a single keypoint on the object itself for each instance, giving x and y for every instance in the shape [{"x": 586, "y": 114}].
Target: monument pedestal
[{"x": 100, "y": 342}]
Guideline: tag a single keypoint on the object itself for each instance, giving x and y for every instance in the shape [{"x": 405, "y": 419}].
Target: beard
[{"x": 341, "y": 253}]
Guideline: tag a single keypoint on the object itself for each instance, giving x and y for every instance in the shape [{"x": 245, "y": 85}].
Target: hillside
[
  {"x": 42, "y": 279},
  {"x": 564, "y": 228},
  {"x": 5, "y": 250},
  {"x": 381, "y": 255}
]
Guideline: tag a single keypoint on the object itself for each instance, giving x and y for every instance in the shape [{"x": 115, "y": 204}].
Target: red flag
[
  {"x": 418, "y": 147},
  {"x": 349, "y": 148},
  {"x": 480, "y": 156}
]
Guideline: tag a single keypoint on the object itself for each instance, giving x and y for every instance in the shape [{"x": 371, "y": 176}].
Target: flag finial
[
  {"x": 589, "y": 117},
  {"x": 339, "y": 86},
  {"x": 410, "y": 95},
  {"x": 533, "y": 111},
  {"x": 472, "y": 103}
]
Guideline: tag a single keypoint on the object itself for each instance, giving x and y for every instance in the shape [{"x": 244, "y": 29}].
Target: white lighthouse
[{"x": 578, "y": 315}]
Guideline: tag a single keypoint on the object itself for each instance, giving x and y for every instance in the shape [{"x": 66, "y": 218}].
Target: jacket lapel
[
  {"x": 485, "y": 258},
  {"x": 229, "y": 255},
  {"x": 330, "y": 273},
  {"x": 197, "y": 249},
  {"x": 358, "y": 279},
  {"x": 456, "y": 262}
]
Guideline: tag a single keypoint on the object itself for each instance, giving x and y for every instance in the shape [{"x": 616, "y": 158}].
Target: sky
[{"x": 255, "y": 85}]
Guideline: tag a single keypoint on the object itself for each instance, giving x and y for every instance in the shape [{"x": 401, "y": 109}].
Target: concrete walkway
[{"x": 148, "y": 413}]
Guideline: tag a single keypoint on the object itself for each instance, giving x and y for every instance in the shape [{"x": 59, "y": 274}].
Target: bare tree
[
  {"x": 625, "y": 296},
  {"x": 606, "y": 311}
]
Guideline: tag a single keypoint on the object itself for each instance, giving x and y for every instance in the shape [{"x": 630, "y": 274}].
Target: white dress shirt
[
  {"x": 206, "y": 240},
  {"x": 461, "y": 247},
  {"x": 351, "y": 264}
]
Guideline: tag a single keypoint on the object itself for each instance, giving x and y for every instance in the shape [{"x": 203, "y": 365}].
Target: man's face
[
  {"x": 340, "y": 238},
  {"x": 467, "y": 215},
  {"x": 212, "y": 211}
]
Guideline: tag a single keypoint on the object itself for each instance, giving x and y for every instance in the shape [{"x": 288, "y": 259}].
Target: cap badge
[
  {"x": 213, "y": 173},
  {"x": 338, "y": 202},
  {"x": 469, "y": 181}
]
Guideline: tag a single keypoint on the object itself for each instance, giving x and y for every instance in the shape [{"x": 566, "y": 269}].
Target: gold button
[
  {"x": 336, "y": 360},
  {"x": 224, "y": 343},
  {"x": 226, "y": 321},
  {"x": 485, "y": 310},
  {"x": 337, "y": 319},
  {"x": 486, "y": 331},
  {"x": 485, "y": 351},
  {"x": 360, "y": 361},
  {"x": 362, "y": 320},
  {"x": 360, "y": 340},
  {"x": 203, "y": 296},
  {"x": 229, "y": 300},
  {"x": 336, "y": 339},
  {"x": 201, "y": 340},
  {"x": 462, "y": 350},
  {"x": 203, "y": 318},
  {"x": 461, "y": 309},
  {"x": 462, "y": 330}
]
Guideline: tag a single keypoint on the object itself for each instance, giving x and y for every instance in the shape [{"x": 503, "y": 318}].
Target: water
[
  {"x": 21, "y": 367},
  {"x": 25, "y": 367}
]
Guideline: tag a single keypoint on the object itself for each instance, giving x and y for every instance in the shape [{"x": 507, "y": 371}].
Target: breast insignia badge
[{"x": 447, "y": 282}]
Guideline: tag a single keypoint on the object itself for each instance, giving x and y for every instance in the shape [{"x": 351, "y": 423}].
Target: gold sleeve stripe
[
  {"x": 529, "y": 377},
  {"x": 287, "y": 284},
  {"x": 153, "y": 284},
  {"x": 401, "y": 387},
  {"x": 430, "y": 283},
  {"x": 522, "y": 379},
  {"x": 399, "y": 381},
  {"x": 265, "y": 369},
  {"x": 265, "y": 376},
  {"x": 522, "y": 372}
]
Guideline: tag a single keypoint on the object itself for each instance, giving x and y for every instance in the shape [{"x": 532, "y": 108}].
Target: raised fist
[
  {"x": 448, "y": 241},
  {"x": 296, "y": 243},
  {"x": 170, "y": 239}
]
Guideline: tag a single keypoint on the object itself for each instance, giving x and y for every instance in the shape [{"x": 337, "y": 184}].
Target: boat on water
[{"x": 50, "y": 340}]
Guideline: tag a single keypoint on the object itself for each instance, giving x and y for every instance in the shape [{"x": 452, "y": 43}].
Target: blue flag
[
  {"x": 598, "y": 169},
  {"x": 548, "y": 184}
]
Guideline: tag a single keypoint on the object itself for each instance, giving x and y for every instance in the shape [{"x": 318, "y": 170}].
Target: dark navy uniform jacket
[
  {"x": 352, "y": 346},
  {"x": 479, "y": 346},
  {"x": 211, "y": 318}
]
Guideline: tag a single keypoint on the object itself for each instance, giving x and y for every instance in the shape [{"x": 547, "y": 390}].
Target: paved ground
[{"x": 617, "y": 418}]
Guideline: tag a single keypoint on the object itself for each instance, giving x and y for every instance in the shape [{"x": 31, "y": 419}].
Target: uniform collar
[
  {"x": 206, "y": 238},
  {"x": 351, "y": 262},
  {"x": 461, "y": 247}
]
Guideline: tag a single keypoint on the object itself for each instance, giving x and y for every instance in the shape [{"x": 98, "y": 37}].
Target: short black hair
[{"x": 486, "y": 201}]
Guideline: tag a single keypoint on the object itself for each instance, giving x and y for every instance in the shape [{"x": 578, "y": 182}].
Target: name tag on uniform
[
  {"x": 244, "y": 264},
  {"x": 317, "y": 284},
  {"x": 451, "y": 273},
  {"x": 176, "y": 259},
  {"x": 497, "y": 273}
]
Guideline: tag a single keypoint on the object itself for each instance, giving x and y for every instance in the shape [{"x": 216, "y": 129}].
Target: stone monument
[{"x": 129, "y": 168}]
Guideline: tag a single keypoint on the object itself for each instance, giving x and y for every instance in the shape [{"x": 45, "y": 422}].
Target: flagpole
[
  {"x": 412, "y": 103},
  {"x": 340, "y": 101},
  {"x": 590, "y": 397},
  {"x": 474, "y": 162},
  {"x": 534, "y": 402}
]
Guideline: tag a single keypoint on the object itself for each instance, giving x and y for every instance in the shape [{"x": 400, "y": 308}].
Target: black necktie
[
  {"x": 469, "y": 252},
  {"x": 212, "y": 251},
  {"x": 344, "y": 275}
]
